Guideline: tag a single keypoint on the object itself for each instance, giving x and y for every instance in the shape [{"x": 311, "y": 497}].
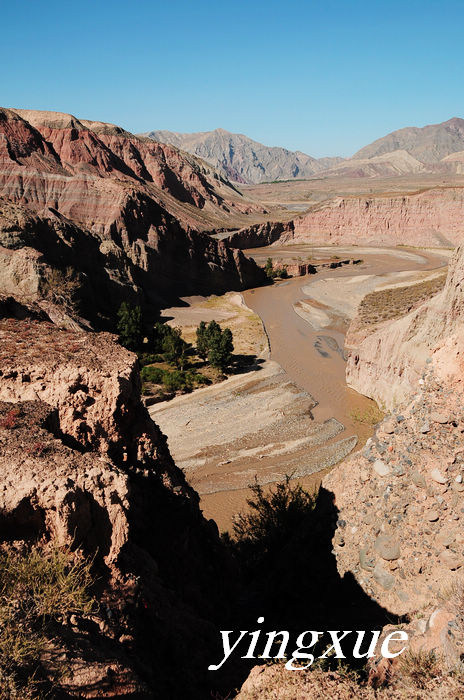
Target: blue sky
[{"x": 325, "y": 77}]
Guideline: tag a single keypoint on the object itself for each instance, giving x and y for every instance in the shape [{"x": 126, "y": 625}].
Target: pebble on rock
[
  {"x": 438, "y": 476},
  {"x": 383, "y": 577},
  {"x": 387, "y": 547},
  {"x": 418, "y": 479},
  {"x": 432, "y": 516},
  {"x": 439, "y": 417},
  {"x": 381, "y": 468}
]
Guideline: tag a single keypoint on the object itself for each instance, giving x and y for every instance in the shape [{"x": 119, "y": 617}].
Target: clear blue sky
[{"x": 322, "y": 76}]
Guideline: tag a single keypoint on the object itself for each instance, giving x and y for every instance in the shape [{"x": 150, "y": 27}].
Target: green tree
[
  {"x": 175, "y": 348},
  {"x": 160, "y": 331},
  {"x": 130, "y": 326},
  {"x": 269, "y": 268},
  {"x": 220, "y": 348},
  {"x": 213, "y": 332},
  {"x": 202, "y": 341}
]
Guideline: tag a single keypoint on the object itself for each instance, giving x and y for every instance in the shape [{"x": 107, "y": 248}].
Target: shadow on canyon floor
[{"x": 299, "y": 588}]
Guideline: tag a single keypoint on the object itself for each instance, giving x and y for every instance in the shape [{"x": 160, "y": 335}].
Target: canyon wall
[
  {"x": 433, "y": 217},
  {"x": 386, "y": 363},
  {"x": 124, "y": 213},
  {"x": 82, "y": 465}
]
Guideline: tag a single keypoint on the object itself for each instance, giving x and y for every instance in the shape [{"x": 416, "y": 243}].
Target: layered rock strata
[
  {"x": 125, "y": 214},
  {"x": 433, "y": 217}
]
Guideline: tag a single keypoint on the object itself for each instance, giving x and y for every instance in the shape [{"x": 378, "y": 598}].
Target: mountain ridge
[
  {"x": 242, "y": 159},
  {"x": 246, "y": 161}
]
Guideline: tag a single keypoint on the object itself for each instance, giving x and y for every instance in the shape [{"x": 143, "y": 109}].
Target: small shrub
[
  {"x": 369, "y": 416},
  {"x": 152, "y": 374},
  {"x": 146, "y": 358},
  {"x": 419, "y": 667},
  {"x": 273, "y": 518}
]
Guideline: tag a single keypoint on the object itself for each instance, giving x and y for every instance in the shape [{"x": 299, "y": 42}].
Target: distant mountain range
[
  {"x": 435, "y": 148},
  {"x": 243, "y": 160}
]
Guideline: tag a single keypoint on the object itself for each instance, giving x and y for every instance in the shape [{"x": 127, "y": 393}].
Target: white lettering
[
  {"x": 403, "y": 637},
  {"x": 270, "y": 641},
  {"x": 300, "y": 654},
  {"x": 336, "y": 644},
  {"x": 371, "y": 651},
  {"x": 254, "y": 640},
  {"x": 226, "y": 647}
]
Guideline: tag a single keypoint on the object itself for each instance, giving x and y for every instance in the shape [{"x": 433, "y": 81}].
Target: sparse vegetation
[
  {"x": 177, "y": 380},
  {"x": 369, "y": 416},
  {"x": 419, "y": 668},
  {"x": 10, "y": 420},
  {"x": 193, "y": 369},
  {"x": 37, "y": 590},
  {"x": 274, "y": 272},
  {"x": 387, "y": 304},
  {"x": 271, "y": 519}
]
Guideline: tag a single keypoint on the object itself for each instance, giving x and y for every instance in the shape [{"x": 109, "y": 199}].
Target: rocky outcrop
[
  {"x": 124, "y": 213},
  {"x": 261, "y": 235},
  {"x": 387, "y": 364},
  {"x": 400, "y": 502},
  {"x": 83, "y": 465}
]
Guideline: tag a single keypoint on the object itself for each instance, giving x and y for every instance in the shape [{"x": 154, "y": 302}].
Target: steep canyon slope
[
  {"x": 397, "y": 509},
  {"x": 126, "y": 214},
  {"x": 83, "y": 466}
]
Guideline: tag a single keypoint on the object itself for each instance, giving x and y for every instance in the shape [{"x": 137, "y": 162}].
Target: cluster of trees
[
  {"x": 273, "y": 272},
  {"x": 164, "y": 339},
  {"x": 215, "y": 344}
]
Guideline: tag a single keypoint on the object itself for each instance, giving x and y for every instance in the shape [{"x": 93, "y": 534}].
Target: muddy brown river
[{"x": 313, "y": 359}]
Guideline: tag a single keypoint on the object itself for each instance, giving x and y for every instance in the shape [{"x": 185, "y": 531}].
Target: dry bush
[
  {"x": 61, "y": 287},
  {"x": 36, "y": 590}
]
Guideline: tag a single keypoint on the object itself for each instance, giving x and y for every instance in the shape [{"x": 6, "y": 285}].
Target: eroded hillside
[{"x": 125, "y": 214}]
